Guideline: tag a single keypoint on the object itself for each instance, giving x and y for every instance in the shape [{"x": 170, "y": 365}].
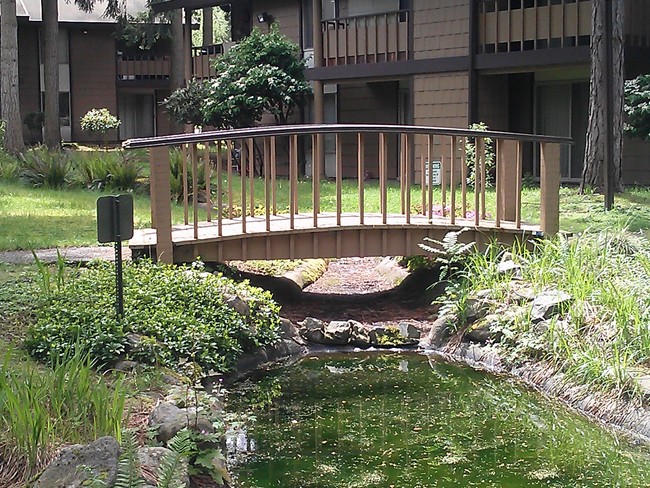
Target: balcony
[
  {"x": 376, "y": 38},
  {"x": 203, "y": 59},
  {"x": 143, "y": 67},
  {"x": 527, "y": 25}
]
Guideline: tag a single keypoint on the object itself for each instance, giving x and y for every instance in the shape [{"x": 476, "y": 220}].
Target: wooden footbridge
[{"x": 253, "y": 204}]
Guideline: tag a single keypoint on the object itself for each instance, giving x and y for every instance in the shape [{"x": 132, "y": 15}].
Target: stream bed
[{"x": 404, "y": 421}]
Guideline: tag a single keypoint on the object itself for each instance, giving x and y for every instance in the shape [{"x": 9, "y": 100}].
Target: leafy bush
[
  {"x": 42, "y": 167},
  {"x": 470, "y": 155},
  {"x": 179, "y": 315},
  {"x": 3, "y": 126},
  {"x": 637, "y": 107},
  {"x": 114, "y": 170},
  {"x": 99, "y": 121}
]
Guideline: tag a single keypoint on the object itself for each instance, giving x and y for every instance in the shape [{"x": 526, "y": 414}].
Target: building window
[{"x": 64, "y": 107}]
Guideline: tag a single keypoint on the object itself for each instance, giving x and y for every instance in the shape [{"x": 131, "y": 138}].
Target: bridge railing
[{"x": 422, "y": 176}]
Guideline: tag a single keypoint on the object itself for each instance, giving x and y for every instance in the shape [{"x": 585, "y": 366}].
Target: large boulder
[
  {"x": 169, "y": 419},
  {"x": 547, "y": 304},
  {"x": 77, "y": 465},
  {"x": 439, "y": 332},
  {"x": 409, "y": 331},
  {"x": 359, "y": 335},
  {"x": 312, "y": 330},
  {"x": 337, "y": 333}
]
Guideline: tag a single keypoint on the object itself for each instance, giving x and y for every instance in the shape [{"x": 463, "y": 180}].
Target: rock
[
  {"x": 439, "y": 332},
  {"x": 388, "y": 337},
  {"x": 169, "y": 420},
  {"x": 509, "y": 267},
  {"x": 125, "y": 366},
  {"x": 76, "y": 465},
  {"x": 312, "y": 330},
  {"x": 522, "y": 291},
  {"x": 359, "y": 335},
  {"x": 476, "y": 308},
  {"x": 481, "y": 331},
  {"x": 409, "y": 331},
  {"x": 238, "y": 305},
  {"x": 548, "y": 304},
  {"x": 287, "y": 329},
  {"x": 337, "y": 333},
  {"x": 150, "y": 459}
]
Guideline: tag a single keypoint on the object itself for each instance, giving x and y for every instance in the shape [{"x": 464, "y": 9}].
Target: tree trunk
[
  {"x": 51, "y": 124},
  {"x": 596, "y": 144},
  {"x": 9, "y": 94},
  {"x": 177, "y": 57}
]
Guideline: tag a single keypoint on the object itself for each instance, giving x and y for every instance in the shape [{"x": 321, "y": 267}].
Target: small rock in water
[{"x": 409, "y": 331}]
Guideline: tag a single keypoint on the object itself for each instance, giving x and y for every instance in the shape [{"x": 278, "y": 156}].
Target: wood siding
[
  {"x": 440, "y": 28},
  {"x": 368, "y": 103},
  {"x": 284, "y": 12},
  {"x": 636, "y": 161},
  {"x": 92, "y": 77}
]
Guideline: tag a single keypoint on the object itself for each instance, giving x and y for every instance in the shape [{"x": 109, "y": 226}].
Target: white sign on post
[{"x": 436, "y": 172}]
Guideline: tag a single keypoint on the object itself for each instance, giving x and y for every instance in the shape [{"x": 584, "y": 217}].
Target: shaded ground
[
  {"x": 74, "y": 254},
  {"x": 361, "y": 289}
]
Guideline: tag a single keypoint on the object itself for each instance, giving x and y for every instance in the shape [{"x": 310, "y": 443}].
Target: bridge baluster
[
  {"x": 208, "y": 174},
  {"x": 463, "y": 174},
  {"x": 219, "y": 190},
  {"x": 195, "y": 190},
  {"x": 430, "y": 155},
  {"x": 186, "y": 218},
  {"x": 243, "y": 164},
  {"x": 267, "y": 181},
  {"x": 361, "y": 174},
  {"x": 274, "y": 169},
  {"x": 339, "y": 177},
  {"x": 251, "y": 174},
  {"x": 229, "y": 149}
]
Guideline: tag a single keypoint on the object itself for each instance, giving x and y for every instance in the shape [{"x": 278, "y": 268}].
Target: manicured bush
[
  {"x": 179, "y": 315},
  {"x": 99, "y": 121}
]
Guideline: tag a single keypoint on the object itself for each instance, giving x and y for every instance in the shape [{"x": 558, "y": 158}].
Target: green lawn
[{"x": 40, "y": 217}]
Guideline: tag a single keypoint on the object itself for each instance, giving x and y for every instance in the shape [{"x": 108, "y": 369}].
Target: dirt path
[
  {"x": 364, "y": 289},
  {"x": 72, "y": 254}
]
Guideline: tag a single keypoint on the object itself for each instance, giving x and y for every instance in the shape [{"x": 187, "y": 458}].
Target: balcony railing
[
  {"x": 143, "y": 67},
  {"x": 526, "y": 25},
  {"x": 362, "y": 39},
  {"x": 203, "y": 59}
]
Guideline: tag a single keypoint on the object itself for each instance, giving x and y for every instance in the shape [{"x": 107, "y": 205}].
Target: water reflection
[{"x": 381, "y": 420}]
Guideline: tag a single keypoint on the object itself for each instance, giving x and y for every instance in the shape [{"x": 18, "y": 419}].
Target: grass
[
  {"x": 42, "y": 217},
  {"x": 43, "y": 407},
  {"x": 601, "y": 336}
]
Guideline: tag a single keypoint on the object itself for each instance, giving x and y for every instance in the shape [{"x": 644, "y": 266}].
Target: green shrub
[
  {"x": 99, "y": 121},
  {"x": 3, "y": 126},
  {"x": 8, "y": 166},
  {"x": 179, "y": 314},
  {"x": 114, "y": 170},
  {"x": 42, "y": 167}
]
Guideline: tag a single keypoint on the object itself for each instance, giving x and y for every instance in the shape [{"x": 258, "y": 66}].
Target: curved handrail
[{"x": 289, "y": 130}]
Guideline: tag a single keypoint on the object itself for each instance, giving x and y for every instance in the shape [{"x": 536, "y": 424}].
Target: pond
[{"x": 404, "y": 421}]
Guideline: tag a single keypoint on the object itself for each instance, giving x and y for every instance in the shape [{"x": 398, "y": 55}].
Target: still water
[{"x": 394, "y": 420}]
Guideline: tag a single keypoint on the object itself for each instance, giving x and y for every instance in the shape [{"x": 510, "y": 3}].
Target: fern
[
  {"x": 170, "y": 472},
  {"x": 451, "y": 253},
  {"x": 128, "y": 467}
]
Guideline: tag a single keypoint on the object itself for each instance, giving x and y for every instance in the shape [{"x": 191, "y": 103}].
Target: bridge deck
[{"x": 328, "y": 239}]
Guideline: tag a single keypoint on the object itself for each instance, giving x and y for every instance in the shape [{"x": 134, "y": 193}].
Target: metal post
[{"x": 119, "y": 293}]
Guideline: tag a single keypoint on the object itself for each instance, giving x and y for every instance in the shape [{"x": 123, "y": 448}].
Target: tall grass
[
  {"x": 603, "y": 334},
  {"x": 40, "y": 409}
]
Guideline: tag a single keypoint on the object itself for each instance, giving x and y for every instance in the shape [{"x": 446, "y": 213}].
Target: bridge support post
[
  {"x": 550, "y": 188},
  {"x": 508, "y": 175},
  {"x": 161, "y": 211}
]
